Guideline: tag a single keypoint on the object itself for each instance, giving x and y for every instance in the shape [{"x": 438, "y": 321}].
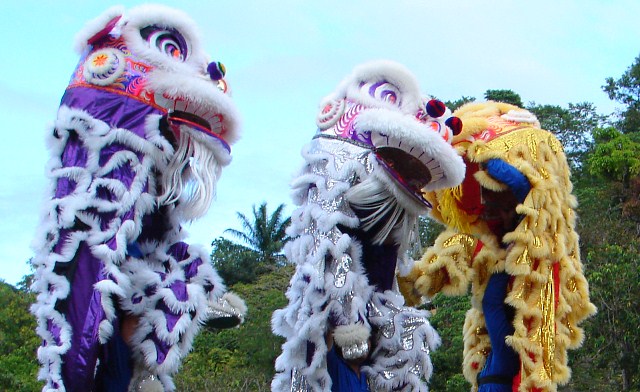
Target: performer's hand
[
  {"x": 355, "y": 363},
  {"x": 128, "y": 327}
]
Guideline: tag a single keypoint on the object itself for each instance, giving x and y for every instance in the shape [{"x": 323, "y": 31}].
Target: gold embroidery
[
  {"x": 524, "y": 257},
  {"x": 544, "y": 173},
  {"x": 523, "y": 290},
  {"x": 543, "y": 374},
  {"x": 537, "y": 242},
  {"x": 569, "y": 327},
  {"x": 532, "y": 143},
  {"x": 530, "y": 137},
  {"x": 547, "y": 328},
  {"x": 555, "y": 145},
  {"x": 465, "y": 240}
]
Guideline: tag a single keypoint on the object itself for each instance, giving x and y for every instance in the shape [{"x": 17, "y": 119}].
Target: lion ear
[{"x": 98, "y": 28}]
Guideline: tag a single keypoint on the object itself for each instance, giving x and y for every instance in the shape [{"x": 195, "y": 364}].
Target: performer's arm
[
  {"x": 349, "y": 293},
  {"x": 445, "y": 267}
]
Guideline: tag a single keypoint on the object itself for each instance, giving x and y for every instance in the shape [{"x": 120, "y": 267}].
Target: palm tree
[{"x": 264, "y": 234}]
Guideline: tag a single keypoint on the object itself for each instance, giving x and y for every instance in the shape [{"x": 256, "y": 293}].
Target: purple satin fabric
[
  {"x": 116, "y": 110},
  {"x": 82, "y": 308},
  {"x": 84, "y": 313}
]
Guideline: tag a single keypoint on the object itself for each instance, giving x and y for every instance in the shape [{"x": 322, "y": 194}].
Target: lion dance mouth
[{"x": 413, "y": 149}]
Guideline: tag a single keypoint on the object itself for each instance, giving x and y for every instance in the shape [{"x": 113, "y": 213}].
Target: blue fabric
[
  {"x": 502, "y": 361},
  {"x": 510, "y": 176},
  {"x": 114, "y": 372},
  {"x": 343, "y": 378},
  {"x": 495, "y": 388},
  {"x": 133, "y": 249}
]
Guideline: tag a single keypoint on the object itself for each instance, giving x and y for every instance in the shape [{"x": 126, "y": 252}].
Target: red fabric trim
[
  {"x": 479, "y": 247},
  {"x": 471, "y": 201},
  {"x": 516, "y": 383},
  {"x": 105, "y": 30},
  {"x": 556, "y": 284}
]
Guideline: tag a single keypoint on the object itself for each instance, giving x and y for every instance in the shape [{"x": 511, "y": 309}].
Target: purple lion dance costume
[
  {"x": 378, "y": 146},
  {"x": 140, "y": 139}
]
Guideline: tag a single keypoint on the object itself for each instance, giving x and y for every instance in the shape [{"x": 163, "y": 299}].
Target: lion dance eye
[
  {"x": 167, "y": 41},
  {"x": 381, "y": 90}
]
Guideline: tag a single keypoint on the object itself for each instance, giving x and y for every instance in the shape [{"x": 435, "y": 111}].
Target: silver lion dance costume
[
  {"x": 379, "y": 144},
  {"x": 140, "y": 139}
]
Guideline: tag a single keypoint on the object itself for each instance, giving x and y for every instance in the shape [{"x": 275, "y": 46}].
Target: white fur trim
[
  {"x": 522, "y": 116},
  {"x": 236, "y": 302},
  {"x": 405, "y": 354},
  {"x": 347, "y": 335}
]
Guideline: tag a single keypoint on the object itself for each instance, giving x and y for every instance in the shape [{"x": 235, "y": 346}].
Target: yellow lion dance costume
[{"x": 547, "y": 287}]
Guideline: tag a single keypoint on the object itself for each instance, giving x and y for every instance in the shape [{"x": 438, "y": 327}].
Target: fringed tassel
[
  {"x": 377, "y": 209},
  {"x": 190, "y": 177}
]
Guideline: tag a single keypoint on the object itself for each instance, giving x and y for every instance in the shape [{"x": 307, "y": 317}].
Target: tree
[
  {"x": 235, "y": 263},
  {"x": 609, "y": 360},
  {"x": 264, "y": 234},
  {"x": 242, "y": 358},
  {"x": 626, "y": 90},
  {"x": 448, "y": 320},
  {"x": 18, "y": 340},
  {"x": 453, "y": 105},
  {"x": 506, "y": 96},
  {"x": 616, "y": 155},
  {"x": 610, "y": 252}
]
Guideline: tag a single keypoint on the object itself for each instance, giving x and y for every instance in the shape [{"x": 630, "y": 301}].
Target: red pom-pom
[
  {"x": 435, "y": 108},
  {"x": 455, "y": 124}
]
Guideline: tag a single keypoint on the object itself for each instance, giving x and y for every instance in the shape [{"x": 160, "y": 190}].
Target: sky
[{"x": 282, "y": 57}]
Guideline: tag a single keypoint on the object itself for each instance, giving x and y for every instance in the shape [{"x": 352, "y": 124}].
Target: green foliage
[
  {"x": 448, "y": 320},
  {"x": 235, "y": 263},
  {"x": 506, "y": 96},
  {"x": 616, "y": 155},
  {"x": 626, "y": 90},
  {"x": 610, "y": 350},
  {"x": 264, "y": 234},
  {"x": 240, "y": 359},
  {"x": 611, "y": 255},
  {"x": 18, "y": 341},
  {"x": 428, "y": 231},
  {"x": 263, "y": 237},
  {"x": 453, "y": 105}
]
